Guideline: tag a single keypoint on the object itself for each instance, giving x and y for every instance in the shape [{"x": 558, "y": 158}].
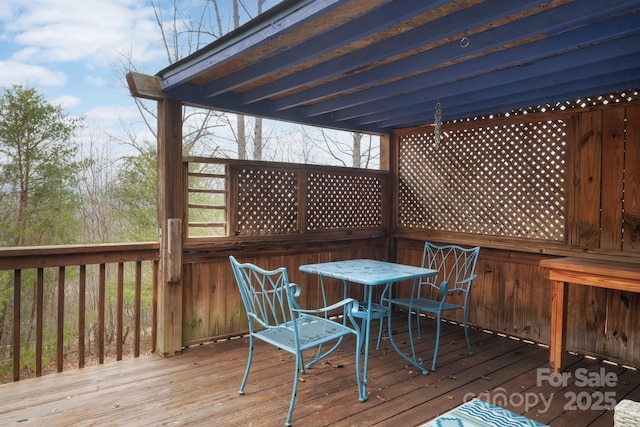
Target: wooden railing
[{"x": 95, "y": 302}]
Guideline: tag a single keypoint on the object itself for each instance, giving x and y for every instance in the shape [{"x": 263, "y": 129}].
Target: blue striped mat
[{"x": 478, "y": 413}]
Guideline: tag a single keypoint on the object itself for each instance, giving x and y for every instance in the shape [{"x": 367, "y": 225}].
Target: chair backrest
[
  {"x": 455, "y": 265},
  {"x": 264, "y": 294}
]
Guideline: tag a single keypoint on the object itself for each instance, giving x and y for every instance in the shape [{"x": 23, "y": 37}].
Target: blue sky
[{"x": 69, "y": 50}]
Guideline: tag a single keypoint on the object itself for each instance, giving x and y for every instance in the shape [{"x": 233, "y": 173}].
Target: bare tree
[
  {"x": 241, "y": 125},
  {"x": 181, "y": 36},
  {"x": 99, "y": 218},
  {"x": 359, "y": 152}
]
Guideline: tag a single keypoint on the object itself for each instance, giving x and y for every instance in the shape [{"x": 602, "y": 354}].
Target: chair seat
[
  {"x": 424, "y": 304},
  {"x": 313, "y": 331}
]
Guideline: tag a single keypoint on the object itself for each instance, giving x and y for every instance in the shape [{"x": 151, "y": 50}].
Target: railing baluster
[
  {"x": 82, "y": 309},
  {"x": 17, "y": 292},
  {"x": 154, "y": 305},
  {"x": 60, "y": 326},
  {"x": 137, "y": 311},
  {"x": 101, "y": 308},
  {"x": 39, "y": 326},
  {"x": 120, "y": 311}
]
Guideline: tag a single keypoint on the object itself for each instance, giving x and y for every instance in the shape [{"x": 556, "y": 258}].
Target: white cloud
[
  {"x": 126, "y": 113},
  {"x": 14, "y": 72},
  {"x": 71, "y": 51},
  {"x": 117, "y": 125},
  {"x": 96, "y": 80},
  {"x": 111, "y": 118},
  {"x": 95, "y": 32},
  {"x": 66, "y": 101}
]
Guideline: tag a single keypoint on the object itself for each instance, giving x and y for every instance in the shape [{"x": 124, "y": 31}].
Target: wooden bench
[{"x": 562, "y": 271}]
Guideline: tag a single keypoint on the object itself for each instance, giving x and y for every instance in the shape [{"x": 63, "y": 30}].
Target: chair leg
[
  {"x": 413, "y": 349},
  {"x": 435, "y": 351},
  {"x": 466, "y": 332},
  {"x": 246, "y": 371},
  {"x": 294, "y": 392}
]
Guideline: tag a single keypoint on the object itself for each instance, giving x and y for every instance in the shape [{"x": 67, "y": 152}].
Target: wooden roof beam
[{"x": 144, "y": 86}]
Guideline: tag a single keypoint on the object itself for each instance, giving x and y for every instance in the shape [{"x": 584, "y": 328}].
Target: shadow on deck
[{"x": 200, "y": 387}]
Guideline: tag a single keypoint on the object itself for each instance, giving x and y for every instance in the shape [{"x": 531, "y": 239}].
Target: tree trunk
[
  {"x": 242, "y": 138},
  {"x": 242, "y": 135},
  {"x": 357, "y": 150},
  {"x": 257, "y": 139}
]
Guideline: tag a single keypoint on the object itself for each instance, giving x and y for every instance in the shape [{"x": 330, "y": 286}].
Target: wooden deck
[{"x": 200, "y": 387}]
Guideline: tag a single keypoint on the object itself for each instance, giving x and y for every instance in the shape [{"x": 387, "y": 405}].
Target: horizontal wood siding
[
  {"x": 212, "y": 305},
  {"x": 503, "y": 293},
  {"x": 512, "y": 296}
]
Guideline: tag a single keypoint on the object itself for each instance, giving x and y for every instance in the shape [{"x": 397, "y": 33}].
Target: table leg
[
  {"x": 367, "y": 325},
  {"x": 414, "y": 362},
  {"x": 557, "y": 341}
]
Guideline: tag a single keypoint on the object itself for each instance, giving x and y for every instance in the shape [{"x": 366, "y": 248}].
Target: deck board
[{"x": 200, "y": 387}]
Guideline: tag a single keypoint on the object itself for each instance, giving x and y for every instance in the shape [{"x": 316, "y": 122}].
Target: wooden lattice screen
[
  {"x": 505, "y": 180},
  {"x": 267, "y": 201},
  {"x": 341, "y": 200},
  {"x": 262, "y": 198}
]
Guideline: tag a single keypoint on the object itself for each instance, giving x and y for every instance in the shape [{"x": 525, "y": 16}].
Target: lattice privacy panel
[
  {"x": 504, "y": 180},
  {"x": 267, "y": 201},
  {"x": 343, "y": 201},
  {"x": 586, "y": 102}
]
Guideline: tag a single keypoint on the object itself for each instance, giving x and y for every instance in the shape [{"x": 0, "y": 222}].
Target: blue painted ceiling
[{"x": 377, "y": 65}]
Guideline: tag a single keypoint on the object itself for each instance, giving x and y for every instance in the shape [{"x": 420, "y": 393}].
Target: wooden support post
[{"x": 170, "y": 212}]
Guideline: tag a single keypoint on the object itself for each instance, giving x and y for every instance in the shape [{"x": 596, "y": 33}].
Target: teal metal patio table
[{"x": 371, "y": 273}]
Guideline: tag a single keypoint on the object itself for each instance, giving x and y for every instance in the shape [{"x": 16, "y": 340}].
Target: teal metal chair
[
  {"x": 276, "y": 318},
  {"x": 456, "y": 271}
]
